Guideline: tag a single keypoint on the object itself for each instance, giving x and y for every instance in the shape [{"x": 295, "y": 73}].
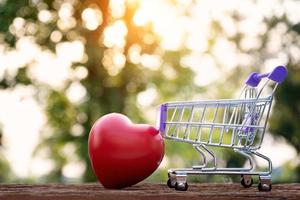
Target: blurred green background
[{"x": 65, "y": 63}]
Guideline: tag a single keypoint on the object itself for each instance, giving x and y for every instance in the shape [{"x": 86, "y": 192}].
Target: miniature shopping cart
[{"x": 238, "y": 124}]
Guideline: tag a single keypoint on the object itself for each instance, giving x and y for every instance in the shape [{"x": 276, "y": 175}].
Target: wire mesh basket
[{"x": 239, "y": 124}]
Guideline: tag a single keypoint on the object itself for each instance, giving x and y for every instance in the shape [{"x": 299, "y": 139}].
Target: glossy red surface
[{"x": 123, "y": 153}]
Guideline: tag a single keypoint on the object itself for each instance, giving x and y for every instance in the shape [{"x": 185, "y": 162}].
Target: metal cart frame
[{"x": 238, "y": 124}]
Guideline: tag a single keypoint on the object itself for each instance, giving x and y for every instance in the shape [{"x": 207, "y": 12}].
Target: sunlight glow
[
  {"x": 66, "y": 11},
  {"x": 41, "y": 166},
  {"x": 170, "y": 27},
  {"x": 80, "y": 72},
  {"x": 66, "y": 20},
  {"x": 70, "y": 51},
  {"x": 49, "y": 70},
  {"x": 169, "y": 72},
  {"x": 147, "y": 97},
  {"x": 113, "y": 61},
  {"x": 92, "y": 18},
  {"x": 279, "y": 150},
  {"x": 77, "y": 130},
  {"x": 74, "y": 170},
  {"x": 55, "y": 69},
  {"x": 204, "y": 66},
  {"x": 65, "y": 24},
  {"x": 114, "y": 35},
  {"x": 227, "y": 57},
  {"x": 152, "y": 62},
  {"x": 117, "y": 8},
  {"x": 76, "y": 93},
  {"x": 45, "y": 16},
  {"x": 195, "y": 31},
  {"x": 18, "y": 23},
  {"x": 140, "y": 18},
  {"x": 56, "y": 36},
  {"x": 26, "y": 50},
  {"x": 200, "y": 28},
  {"x": 119, "y": 60},
  {"x": 22, "y": 120},
  {"x": 134, "y": 53}
]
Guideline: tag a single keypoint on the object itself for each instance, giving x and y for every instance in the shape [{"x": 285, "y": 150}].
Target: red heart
[{"x": 123, "y": 153}]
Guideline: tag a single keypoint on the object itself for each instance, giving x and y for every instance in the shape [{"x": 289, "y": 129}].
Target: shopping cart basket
[{"x": 238, "y": 124}]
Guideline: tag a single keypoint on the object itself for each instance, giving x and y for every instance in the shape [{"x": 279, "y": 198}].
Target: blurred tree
[
  {"x": 109, "y": 88},
  {"x": 4, "y": 166},
  {"x": 284, "y": 121},
  {"x": 112, "y": 76}
]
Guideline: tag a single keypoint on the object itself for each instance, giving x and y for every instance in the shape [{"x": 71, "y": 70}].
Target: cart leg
[
  {"x": 198, "y": 148},
  {"x": 266, "y": 159},
  {"x": 247, "y": 155},
  {"x": 201, "y": 148},
  {"x": 212, "y": 155},
  {"x": 265, "y": 183}
]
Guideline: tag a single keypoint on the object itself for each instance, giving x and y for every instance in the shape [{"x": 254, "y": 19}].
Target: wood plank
[{"x": 93, "y": 191}]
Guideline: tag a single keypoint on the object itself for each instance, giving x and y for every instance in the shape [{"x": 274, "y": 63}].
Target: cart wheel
[
  {"x": 181, "y": 186},
  {"x": 264, "y": 187},
  {"x": 171, "y": 184},
  {"x": 246, "y": 181}
]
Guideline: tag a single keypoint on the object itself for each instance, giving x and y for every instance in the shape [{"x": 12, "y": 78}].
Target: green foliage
[
  {"x": 118, "y": 93},
  {"x": 9, "y": 10},
  {"x": 60, "y": 111},
  {"x": 284, "y": 121},
  {"x": 5, "y": 173}
]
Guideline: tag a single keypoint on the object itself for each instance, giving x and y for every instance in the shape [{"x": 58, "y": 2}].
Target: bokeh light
[
  {"x": 92, "y": 18},
  {"x": 65, "y": 63}
]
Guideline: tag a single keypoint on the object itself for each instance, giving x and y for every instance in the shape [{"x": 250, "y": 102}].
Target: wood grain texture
[{"x": 93, "y": 191}]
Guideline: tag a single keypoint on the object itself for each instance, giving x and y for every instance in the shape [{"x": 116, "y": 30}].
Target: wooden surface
[{"x": 144, "y": 191}]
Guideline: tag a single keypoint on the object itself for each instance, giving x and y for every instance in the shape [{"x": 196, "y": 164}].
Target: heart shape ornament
[{"x": 122, "y": 153}]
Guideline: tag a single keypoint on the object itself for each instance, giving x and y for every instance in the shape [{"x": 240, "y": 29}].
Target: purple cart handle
[
  {"x": 278, "y": 75},
  {"x": 163, "y": 118}
]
